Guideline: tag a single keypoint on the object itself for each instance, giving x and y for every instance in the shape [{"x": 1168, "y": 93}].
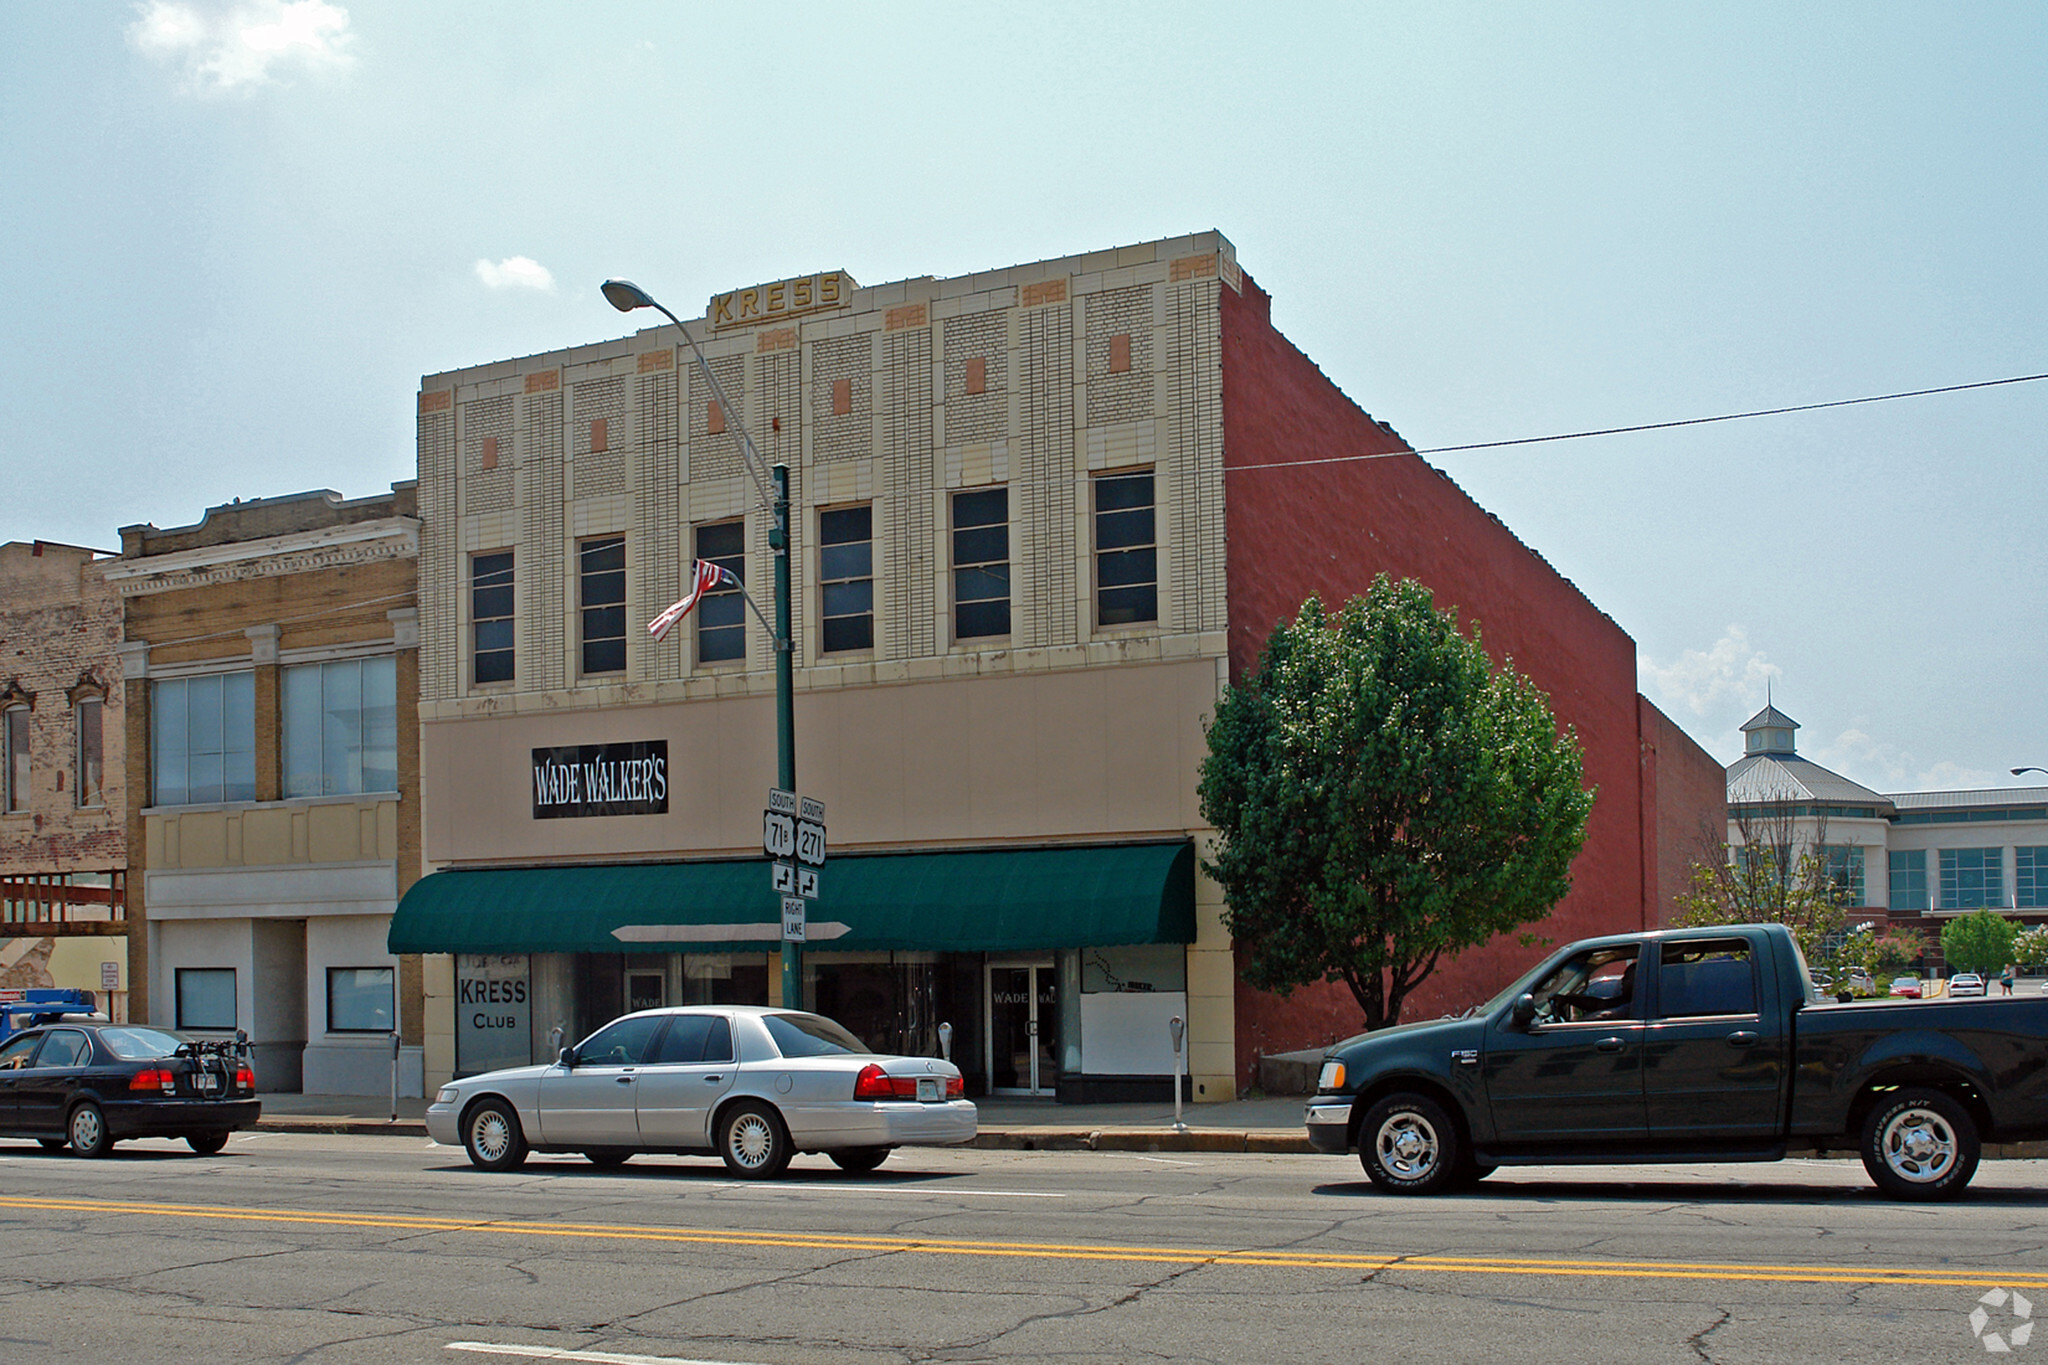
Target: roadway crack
[{"x": 1698, "y": 1340}]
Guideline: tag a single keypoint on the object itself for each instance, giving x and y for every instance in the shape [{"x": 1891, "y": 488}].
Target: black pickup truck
[{"x": 1687, "y": 1045}]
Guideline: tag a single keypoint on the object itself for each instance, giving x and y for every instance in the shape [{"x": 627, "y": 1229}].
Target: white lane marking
[
  {"x": 1167, "y": 1161},
  {"x": 497, "y": 1348}
]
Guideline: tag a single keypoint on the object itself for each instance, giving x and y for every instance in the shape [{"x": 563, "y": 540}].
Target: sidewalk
[{"x": 1257, "y": 1125}]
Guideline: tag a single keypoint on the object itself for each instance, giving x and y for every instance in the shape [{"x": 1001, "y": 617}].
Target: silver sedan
[{"x": 755, "y": 1085}]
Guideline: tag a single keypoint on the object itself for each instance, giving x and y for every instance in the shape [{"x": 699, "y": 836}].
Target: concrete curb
[
  {"x": 1014, "y": 1140},
  {"x": 1269, "y": 1141}
]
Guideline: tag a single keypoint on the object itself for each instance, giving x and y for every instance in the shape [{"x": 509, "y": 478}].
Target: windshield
[
  {"x": 810, "y": 1035},
  {"x": 135, "y": 1044}
]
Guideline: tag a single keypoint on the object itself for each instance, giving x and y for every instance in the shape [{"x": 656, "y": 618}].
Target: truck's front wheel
[
  {"x": 1920, "y": 1144},
  {"x": 1408, "y": 1145}
]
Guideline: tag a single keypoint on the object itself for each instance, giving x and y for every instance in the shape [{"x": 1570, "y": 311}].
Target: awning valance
[{"x": 994, "y": 900}]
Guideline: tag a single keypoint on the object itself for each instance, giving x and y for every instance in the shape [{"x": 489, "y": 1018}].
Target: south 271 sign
[{"x": 601, "y": 779}]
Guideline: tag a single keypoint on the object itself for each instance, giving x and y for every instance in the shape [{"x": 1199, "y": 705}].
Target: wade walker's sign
[
  {"x": 782, "y": 299},
  {"x": 601, "y": 779}
]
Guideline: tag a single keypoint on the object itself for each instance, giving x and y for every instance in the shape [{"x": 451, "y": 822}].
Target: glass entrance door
[
  {"x": 1023, "y": 1028},
  {"x": 645, "y": 990}
]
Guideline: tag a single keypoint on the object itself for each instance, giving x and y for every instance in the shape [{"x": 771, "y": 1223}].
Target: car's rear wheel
[
  {"x": 206, "y": 1144},
  {"x": 493, "y": 1138},
  {"x": 608, "y": 1158},
  {"x": 88, "y": 1131},
  {"x": 1408, "y": 1145},
  {"x": 753, "y": 1142},
  {"x": 1920, "y": 1144},
  {"x": 858, "y": 1159}
]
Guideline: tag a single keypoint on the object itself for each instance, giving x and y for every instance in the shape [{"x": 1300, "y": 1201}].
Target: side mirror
[
  {"x": 1525, "y": 1010},
  {"x": 566, "y": 1057}
]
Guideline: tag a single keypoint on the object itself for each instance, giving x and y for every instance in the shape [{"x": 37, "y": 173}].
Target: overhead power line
[{"x": 1649, "y": 426}]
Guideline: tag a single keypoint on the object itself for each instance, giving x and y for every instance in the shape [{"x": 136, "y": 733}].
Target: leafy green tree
[
  {"x": 1383, "y": 796},
  {"x": 1980, "y": 941}
]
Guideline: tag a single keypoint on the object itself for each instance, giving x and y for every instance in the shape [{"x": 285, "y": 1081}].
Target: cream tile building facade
[{"x": 561, "y": 492}]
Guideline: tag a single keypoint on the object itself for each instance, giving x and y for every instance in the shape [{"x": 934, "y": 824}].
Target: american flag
[{"x": 706, "y": 577}]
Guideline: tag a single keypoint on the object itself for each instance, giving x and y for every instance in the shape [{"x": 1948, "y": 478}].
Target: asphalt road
[{"x": 299, "y": 1247}]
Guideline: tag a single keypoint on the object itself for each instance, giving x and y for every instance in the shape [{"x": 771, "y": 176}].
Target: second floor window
[
  {"x": 981, "y": 563},
  {"x": 601, "y": 593},
  {"x": 341, "y": 727},
  {"x": 202, "y": 739},
  {"x": 1126, "y": 551},
  {"x": 2030, "y": 878},
  {"x": 1908, "y": 878},
  {"x": 1972, "y": 878},
  {"x": 722, "y": 615},
  {"x": 490, "y": 616},
  {"x": 91, "y": 777},
  {"x": 16, "y": 740},
  {"x": 1845, "y": 872},
  {"x": 846, "y": 578}
]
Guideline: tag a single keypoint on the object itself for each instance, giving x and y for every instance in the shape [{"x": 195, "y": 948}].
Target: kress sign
[
  {"x": 782, "y": 299},
  {"x": 601, "y": 779}
]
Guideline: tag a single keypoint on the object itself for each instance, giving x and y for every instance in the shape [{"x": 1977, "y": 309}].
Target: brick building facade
[
  {"x": 1042, "y": 516},
  {"x": 270, "y": 654},
  {"x": 63, "y": 794}
]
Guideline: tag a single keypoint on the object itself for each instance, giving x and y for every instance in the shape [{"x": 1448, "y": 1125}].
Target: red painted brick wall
[
  {"x": 1329, "y": 528},
  {"x": 1686, "y": 793}
]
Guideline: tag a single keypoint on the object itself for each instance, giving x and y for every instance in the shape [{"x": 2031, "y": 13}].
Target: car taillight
[
  {"x": 873, "y": 1083},
  {"x": 245, "y": 1079},
  {"x": 153, "y": 1080},
  {"x": 956, "y": 1087}
]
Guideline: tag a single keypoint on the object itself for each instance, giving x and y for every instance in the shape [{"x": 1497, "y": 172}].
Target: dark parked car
[
  {"x": 1687, "y": 1045},
  {"x": 89, "y": 1085}
]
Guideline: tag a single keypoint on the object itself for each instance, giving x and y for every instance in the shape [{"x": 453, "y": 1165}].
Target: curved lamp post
[
  {"x": 2018, "y": 771},
  {"x": 773, "y": 487}
]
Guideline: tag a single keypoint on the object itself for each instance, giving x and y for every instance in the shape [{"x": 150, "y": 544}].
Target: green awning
[{"x": 997, "y": 900}]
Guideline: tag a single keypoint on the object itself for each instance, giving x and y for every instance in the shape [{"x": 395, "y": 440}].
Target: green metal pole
[{"x": 785, "y": 710}]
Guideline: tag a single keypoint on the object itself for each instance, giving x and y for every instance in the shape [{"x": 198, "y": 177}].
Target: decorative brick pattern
[
  {"x": 1192, "y": 267},
  {"x": 1042, "y": 292},
  {"x": 657, "y": 540},
  {"x": 539, "y": 568},
  {"x": 1043, "y": 589},
  {"x": 849, "y": 361},
  {"x": 909, "y": 315},
  {"x": 715, "y": 454},
  {"x": 984, "y": 337},
  {"x": 778, "y": 429},
  {"x": 1195, "y": 549},
  {"x": 908, "y": 622},
  {"x": 545, "y": 381},
  {"x": 1115, "y": 395},
  {"x": 599, "y": 473}
]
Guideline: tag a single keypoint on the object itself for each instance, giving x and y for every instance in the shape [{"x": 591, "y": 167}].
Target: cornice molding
[{"x": 301, "y": 552}]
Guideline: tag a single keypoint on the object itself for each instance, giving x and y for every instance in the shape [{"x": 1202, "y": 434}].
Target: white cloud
[
  {"x": 1699, "y": 679},
  {"x": 234, "y": 45},
  {"x": 516, "y": 272}
]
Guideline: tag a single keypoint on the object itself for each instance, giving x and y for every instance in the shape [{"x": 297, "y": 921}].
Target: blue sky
[{"x": 234, "y": 235}]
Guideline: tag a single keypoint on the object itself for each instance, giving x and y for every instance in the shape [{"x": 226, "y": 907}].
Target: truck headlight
[{"x": 1331, "y": 1079}]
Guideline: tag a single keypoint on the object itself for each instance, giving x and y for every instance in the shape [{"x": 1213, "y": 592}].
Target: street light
[
  {"x": 625, "y": 296},
  {"x": 2017, "y": 771}
]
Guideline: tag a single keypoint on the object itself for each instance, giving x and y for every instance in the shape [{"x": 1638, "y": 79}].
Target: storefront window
[
  {"x": 359, "y": 1000},
  {"x": 206, "y": 997}
]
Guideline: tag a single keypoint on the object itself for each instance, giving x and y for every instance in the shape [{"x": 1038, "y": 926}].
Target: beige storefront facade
[{"x": 1010, "y": 626}]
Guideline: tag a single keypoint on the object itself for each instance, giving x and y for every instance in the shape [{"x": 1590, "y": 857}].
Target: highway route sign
[
  {"x": 778, "y": 834},
  {"x": 810, "y": 843}
]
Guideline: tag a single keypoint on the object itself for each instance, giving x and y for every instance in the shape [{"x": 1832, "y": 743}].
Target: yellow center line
[{"x": 1367, "y": 1262}]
